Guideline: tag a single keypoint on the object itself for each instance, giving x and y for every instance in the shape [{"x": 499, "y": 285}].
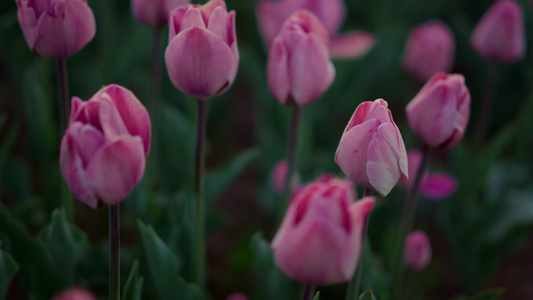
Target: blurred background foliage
[{"x": 481, "y": 236}]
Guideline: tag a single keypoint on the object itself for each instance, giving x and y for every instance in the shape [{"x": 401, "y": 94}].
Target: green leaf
[
  {"x": 492, "y": 294},
  {"x": 367, "y": 295},
  {"x": 134, "y": 284},
  {"x": 8, "y": 269},
  {"x": 219, "y": 180},
  {"x": 317, "y": 296},
  {"x": 6, "y": 146},
  {"x": 66, "y": 244},
  {"x": 165, "y": 268}
]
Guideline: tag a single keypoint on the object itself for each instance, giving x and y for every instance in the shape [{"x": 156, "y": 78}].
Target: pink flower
[
  {"x": 279, "y": 176},
  {"x": 298, "y": 67},
  {"x": 499, "y": 35},
  {"x": 272, "y": 14},
  {"x": 417, "y": 253},
  {"x": 202, "y": 57},
  {"x": 430, "y": 49},
  {"x": 103, "y": 151},
  {"x": 439, "y": 113},
  {"x": 371, "y": 151},
  {"x": 433, "y": 186},
  {"x": 320, "y": 240},
  {"x": 155, "y": 12},
  {"x": 56, "y": 28},
  {"x": 237, "y": 296},
  {"x": 75, "y": 293}
]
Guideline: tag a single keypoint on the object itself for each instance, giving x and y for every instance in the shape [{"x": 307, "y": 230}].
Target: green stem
[
  {"x": 352, "y": 291},
  {"x": 114, "y": 252},
  {"x": 291, "y": 162},
  {"x": 198, "y": 251},
  {"x": 486, "y": 107},
  {"x": 308, "y": 292},
  {"x": 64, "y": 111},
  {"x": 407, "y": 220},
  {"x": 156, "y": 72}
]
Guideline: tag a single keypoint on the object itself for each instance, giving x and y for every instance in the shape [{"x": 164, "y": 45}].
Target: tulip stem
[
  {"x": 291, "y": 162},
  {"x": 156, "y": 72},
  {"x": 486, "y": 107},
  {"x": 407, "y": 219},
  {"x": 64, "y": 110},
  {"x": 308, "y": 292},
  {"x": 354, "y": 285},
  {"x": 114, "y": 252},
  {"x": 198, "y": 245}
]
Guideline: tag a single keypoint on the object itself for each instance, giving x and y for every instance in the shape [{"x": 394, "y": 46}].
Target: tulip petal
[
  {"x": 73, "y": 172},
  {"x": 200, "y": 63},
  {"x": 132, "y": 112},
  {"x": 28, "y": 22},
  {"x": 351, "y": 45},
  {"x": 436, "y": 186},
  {"x": 383, "y": 159},
  {"x": 116, "y": 169},
  {"x": 65, "y": 29},
  {"x": 86, "y": 140},
  {"x": 310, "y": 71},
  {"x": 192, "y": 18},
  {"x": 278, "y": 71},
  {"x": 359, "y": 212}
]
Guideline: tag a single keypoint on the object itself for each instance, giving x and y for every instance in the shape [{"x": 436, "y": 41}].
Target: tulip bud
[
  {"x": 298, "y": 67},
  {"x": 499, "y": 35},
  {"x": 279, "y": 176},
  {"x": 439, "y": 113},
  {"x": 202, "y": 57},
  {"x": 155, "y": 12},
  {"x": 103, "y": 151},
  {"x": 417, "y": 253},
  {"x": 371, "y": 151},
  {"x": 75, "y": 293},
  {"x": 320, "y": 239},
  {"x": 237, "y": 296},
  {"x": 430, "y": 49},
  {"x": 433, "y": 186},
  {"x": 56, "y": 29}
]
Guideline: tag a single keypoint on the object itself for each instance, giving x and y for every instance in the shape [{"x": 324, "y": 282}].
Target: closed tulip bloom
[
  {"x": 103, "y": 152},
  {"x": 432, "y": 185},
  {"x": 371, "y": 151},
  {"x": 56, "y": 28},
  {"x": 272, "y": 14},
  {"x": 499, "y": 35},
  {"x": 417, "y": 252},
  {"x": 320, "y": 239},
  {"x": 75, "y": 293},
  {"x": 439, "y": 113},
  {"x": 155, "y": 12},
  {"x": 430, "y": 49},
  {"x": 279, "y": 176},
  {"x": 202, "y": 57},
  {"x": 299, "y": 70}
]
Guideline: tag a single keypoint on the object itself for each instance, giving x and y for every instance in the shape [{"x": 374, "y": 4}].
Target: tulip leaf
[
  {"x": 367, "y": 295},
  {"x": 165, "y": 268},
  {"x": 219, "y": 180},
  {"x": 317, "y": 296},
  {"x": 6, "y": 146},
  {"x": 491, "y": 294},
  {"x": 8, "y": 269},
  {"x": 271, "y": 283},
  {"x": 134, "y": 284},
  {"x": 66, "y": 245}
]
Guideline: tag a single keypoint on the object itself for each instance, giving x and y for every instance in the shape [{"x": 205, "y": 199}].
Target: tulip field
[{"x": 266, "y": 149}]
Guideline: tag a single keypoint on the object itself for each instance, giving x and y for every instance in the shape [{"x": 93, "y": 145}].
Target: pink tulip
[
  {"x": 430, "y": 49},
  {"x": 298, "y": 69},
  {"x": 272, "y": 14},
  {"x": 155, "y": 12},
  {"x": 56, "y": 29},
  {"x": 321, "y": 238},
  {"x": 279, "y": 176},
  {"x": 433, "y": 186},
  {"x": 237, "y": 296},
  {"x": 439, "y": 113},
  {"x": 104, "y": 149},
  {"x": 499, "y": 35},
  {"x": 202, "y": 57},
  {"x": 417, "y": 253},
  {"x": 75, "y": 293},
  {"x": 371, "y": 152}
]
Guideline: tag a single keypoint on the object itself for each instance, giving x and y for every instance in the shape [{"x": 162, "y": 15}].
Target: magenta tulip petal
[
  {"x": 155, "y": 12},
  {"x": 436, "y": 186},
  {"x": 218, "y": 24},
  {"x": 204, "y": 65},
  {"x": 28, "y": 22},
  {"x": 417, "y": 253},
  {"x": 192, "y": 18},
  {"x": 351, "y": 45},
  {"x": 116, "y": 169},
  {"x": 112, "y": 123},
  {"x": 87, "y": 140},
  {"x": 278, "y": 71},
  {"x": 359, "y": 212}
]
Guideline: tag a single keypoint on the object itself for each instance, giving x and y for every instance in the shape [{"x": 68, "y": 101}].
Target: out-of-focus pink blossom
[
  {"x": 155, "y": 12},
  {"x": 237, "y": 296},
  {"x": 417, "y": 253},
  {"x": 279, "y": 177},
  {"x": 75, "y": 293}
]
